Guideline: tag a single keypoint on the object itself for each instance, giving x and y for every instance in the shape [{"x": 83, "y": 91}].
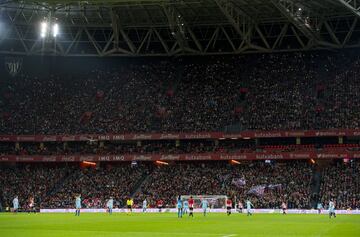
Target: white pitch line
[{"x": 229, "y": 235}]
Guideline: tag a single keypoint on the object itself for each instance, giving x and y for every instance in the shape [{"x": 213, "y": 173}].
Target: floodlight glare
[
  {"x": 43, "y": 29},
  {"x": 55, "y": 29}
]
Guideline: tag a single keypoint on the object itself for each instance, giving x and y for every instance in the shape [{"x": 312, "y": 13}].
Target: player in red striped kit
[
  {"x": 31, "y": 205},
  {"x": 228, "y": 206},
  {"x": 191, "y": 206},
  {"x": 284, "y": 208},
  {"x": 240, "y": 207},
  {"x": 160, "y": 204}
]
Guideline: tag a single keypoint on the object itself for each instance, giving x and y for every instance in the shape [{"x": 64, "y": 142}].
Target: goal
[{"x": 215, "y": 201}]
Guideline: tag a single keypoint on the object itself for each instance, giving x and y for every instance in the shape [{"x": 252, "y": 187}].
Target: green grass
[
  {"x": 167, "y": 224},
  {"x": 97, "y": 1}
]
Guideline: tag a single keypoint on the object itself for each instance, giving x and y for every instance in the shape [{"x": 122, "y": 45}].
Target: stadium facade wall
[
  {"x": 177, "y": 136},
  {"x": 318, "y": 155}
]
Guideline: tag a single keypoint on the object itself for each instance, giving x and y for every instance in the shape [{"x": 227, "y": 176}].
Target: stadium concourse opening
[{"x": 211, "y": 118}]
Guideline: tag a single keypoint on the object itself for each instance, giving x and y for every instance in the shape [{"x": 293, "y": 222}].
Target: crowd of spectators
[
  {"x": 97, "y": 185},
  {"x": 267, "y": 185},
  {"x": 217, "y": 178},
  {"x": 272, "y": 91},
  {"x": 341, "y": 182},
  {"x": 27, "y": 181},
  {"x": 55, "y": 186}
]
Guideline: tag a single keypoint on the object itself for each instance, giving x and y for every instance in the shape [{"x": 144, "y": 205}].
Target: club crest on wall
[{"x": 13, "y": 65}]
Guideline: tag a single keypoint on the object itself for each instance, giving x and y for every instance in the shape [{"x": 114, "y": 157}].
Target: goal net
[{"x": 215, "y": 201}]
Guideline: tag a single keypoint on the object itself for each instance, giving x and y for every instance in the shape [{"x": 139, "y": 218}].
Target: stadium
[{"x": 216, "y": 118}]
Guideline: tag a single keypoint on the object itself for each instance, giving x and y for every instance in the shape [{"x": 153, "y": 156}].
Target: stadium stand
[
  {"x": 345, "y": 190},
  {"x": 221, "y": 118},
  {"x": 55, "y": 186},
  {"x": 286, "y": 91},
  {"x": 218, "y": 178}
]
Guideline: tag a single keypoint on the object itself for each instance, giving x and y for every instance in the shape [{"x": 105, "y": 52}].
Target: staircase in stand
[
  {"x": 139, "y": 184},
  {"x": 315, "y": 187},
  {"x": 58, "y": 186}
]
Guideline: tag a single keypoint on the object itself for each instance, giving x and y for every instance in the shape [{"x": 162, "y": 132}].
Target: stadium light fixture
[
  {"x": 43, "y": 29},
  {"x": 235, "y": 162},
  {"x": 48, "y": 29},
  {"x": 89, "y": 163},
  {"x": 161, "y": 162},
  {"x": 55, "y": 29}
]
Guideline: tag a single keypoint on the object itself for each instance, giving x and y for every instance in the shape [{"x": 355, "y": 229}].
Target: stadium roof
[{"x": 178, "y": 27}]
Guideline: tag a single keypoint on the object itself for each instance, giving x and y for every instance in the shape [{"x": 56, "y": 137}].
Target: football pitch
[{"x": 167, "y": 224}]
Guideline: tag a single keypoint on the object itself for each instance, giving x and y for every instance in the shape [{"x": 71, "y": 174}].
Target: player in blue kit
[
  {"x": 110, "y": 205},
  {"x": 319, "y": 207},
  {"x": 16, "y": 204},
  {"x": 144, "y": 205},
  {"x": 204, "y": 206},
  {"x": 185, "y": 207},
  {"x": 78, "y": 205},
  {"x": 179, "y": 206},
  {"x": 248, "y": 207},
  {"x": 332, "y": 209}
]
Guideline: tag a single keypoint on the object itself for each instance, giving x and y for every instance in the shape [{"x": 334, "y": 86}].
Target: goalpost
[{"x": 215, "y": 201}]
